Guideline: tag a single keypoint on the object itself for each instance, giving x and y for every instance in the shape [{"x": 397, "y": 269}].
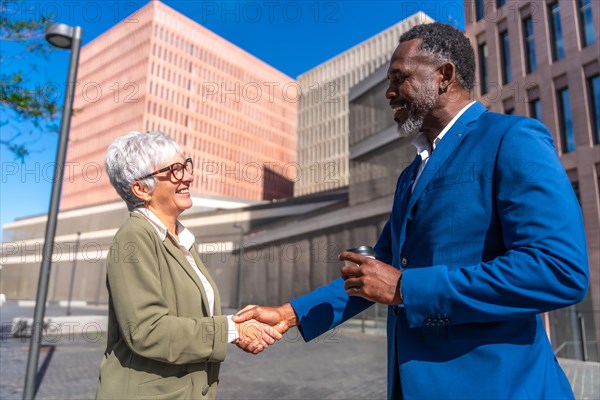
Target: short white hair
[{"x": 135, "y": 155}]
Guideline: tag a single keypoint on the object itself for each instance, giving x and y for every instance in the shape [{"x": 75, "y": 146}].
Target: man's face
[{"x": 414, "y": 87}]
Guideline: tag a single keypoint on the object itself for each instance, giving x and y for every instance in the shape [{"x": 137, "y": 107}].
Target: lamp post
[
  {"x": 64, "y": 37},
  {"x": 240, "y": 264},
  {"x": 73, "y": 273}
]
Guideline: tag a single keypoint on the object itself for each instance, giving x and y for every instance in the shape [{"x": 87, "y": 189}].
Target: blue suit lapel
[
  {"x": 461, "y": 128},
  {"x": 406, "y": 188},
  {"x": 404, "y": 196}
]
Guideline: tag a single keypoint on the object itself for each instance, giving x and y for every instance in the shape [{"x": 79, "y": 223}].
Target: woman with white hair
[{"x": 167, "y": 337}]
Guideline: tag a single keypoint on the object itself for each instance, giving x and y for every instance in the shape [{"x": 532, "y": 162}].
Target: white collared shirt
[
  {"x": 185, "y": 242},
  {"x": 424, "y": 148}
]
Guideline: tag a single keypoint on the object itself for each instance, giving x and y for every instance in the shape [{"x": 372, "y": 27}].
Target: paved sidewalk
[
  {"x": 343, "y": 364},
  {"x": 290, "y": 370}
]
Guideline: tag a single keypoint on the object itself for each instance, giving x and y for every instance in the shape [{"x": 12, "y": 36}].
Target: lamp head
[{"x": 60, "y": 35}]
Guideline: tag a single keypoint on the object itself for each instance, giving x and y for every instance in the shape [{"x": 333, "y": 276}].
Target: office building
[
  {"x": 159, "y": 70},
  {"x": 289, "y": 246},
  {"x": 323, "y": 109},
  {"x": 540, "y": 59}
]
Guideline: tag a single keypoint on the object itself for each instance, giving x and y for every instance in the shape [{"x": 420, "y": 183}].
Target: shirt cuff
[
  {"x": 232, "y": 333},
  {"x": 400, "y": 288}
]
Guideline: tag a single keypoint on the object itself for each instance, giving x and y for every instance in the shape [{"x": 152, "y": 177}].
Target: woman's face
[{"x": 171, "y": 196}]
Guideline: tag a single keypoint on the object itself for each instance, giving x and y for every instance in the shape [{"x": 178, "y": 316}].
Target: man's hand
[
  {"x": 371, "y": 279},
  {"x": 279, "y": 318},
  {"x": 255, "y": 336}
]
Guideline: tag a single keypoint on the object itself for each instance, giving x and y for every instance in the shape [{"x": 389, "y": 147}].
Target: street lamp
[
  {"x": 64, "y": 37},
  {"x": 73, "y": 273},
  {"x": 240, "y": 264}
]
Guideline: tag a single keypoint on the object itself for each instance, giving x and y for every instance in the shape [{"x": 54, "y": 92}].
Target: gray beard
[
  {"x": 411, "y": 126},
  {"x": 417, "y": 112}
]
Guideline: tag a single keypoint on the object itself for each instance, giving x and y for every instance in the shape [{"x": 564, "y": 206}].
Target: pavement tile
[{"x": 344, "y": 364}]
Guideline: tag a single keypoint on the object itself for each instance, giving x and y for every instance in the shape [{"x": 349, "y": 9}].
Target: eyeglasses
[{"x": 177, "y": 169}]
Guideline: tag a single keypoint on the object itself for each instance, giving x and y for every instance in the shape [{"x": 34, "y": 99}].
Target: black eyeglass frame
[{"x": 171, "y": 168}]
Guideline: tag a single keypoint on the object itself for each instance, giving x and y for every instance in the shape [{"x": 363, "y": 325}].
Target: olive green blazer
[{"x": 162, "y": 342}]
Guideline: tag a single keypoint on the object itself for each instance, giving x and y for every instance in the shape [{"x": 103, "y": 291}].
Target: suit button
[
  {"x": 205, "y": 390},
  {"x": 404, "y": 261}
]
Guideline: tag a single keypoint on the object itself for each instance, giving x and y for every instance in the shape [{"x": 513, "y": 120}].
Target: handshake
[{"x": 259, "y": 327}]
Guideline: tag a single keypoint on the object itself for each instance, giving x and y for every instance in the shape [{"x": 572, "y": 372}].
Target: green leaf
[{"x": 20, "y": 99}]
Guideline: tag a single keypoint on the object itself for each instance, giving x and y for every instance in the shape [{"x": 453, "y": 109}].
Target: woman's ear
[{"x": 140, "y": 191}]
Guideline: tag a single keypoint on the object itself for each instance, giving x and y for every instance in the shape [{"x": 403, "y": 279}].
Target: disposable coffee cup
[{"x": 366, "y": 251}]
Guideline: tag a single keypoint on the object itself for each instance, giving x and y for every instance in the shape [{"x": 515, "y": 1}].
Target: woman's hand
[{"x": 255, "y": 336}]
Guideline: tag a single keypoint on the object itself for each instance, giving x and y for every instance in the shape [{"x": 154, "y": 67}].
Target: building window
[
  {"x": 586, "y": 23},
  {"x": 483, "y": 77},
  {"x": 567, "y": 137},
  {"x": 500, "y": 3},
  {"x": 479, "y": 9},
  {"x": 556, "y": 38},
  {"x": 535, "y": 109},
  {"x": 508, "y": 106},
  {"x": 528, "y": 38},
  {"x": 505, "y": 58},
  {"x": 598, "y": 178},
  {"x": 594, "y": 96},
  {"x": 575, "y": 186}
]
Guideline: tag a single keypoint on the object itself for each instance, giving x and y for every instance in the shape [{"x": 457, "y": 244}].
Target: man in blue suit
[{"x": 484, "y": 235}]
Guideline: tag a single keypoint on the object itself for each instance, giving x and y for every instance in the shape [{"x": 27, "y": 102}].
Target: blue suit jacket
[{"x": 491, "y": 236}]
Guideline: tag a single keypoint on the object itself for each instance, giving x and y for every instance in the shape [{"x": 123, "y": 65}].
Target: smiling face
[
  {"x": 170, "y": 196},
  {"x": 414, "y": 87}
]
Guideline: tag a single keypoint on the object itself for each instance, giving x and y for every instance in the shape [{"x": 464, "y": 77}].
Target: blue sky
[{"x": 292, "y": 36}]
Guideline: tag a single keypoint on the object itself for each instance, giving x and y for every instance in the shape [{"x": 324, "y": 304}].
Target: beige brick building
[{"x": 159, "y": 70}]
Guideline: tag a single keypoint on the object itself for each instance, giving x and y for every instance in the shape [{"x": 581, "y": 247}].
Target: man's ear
[
  {"x": 140, "y": 191},
  {"x": 448, "y": 76}
]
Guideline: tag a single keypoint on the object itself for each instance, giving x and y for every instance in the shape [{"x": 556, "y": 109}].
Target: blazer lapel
[
  {"x": 183, "y": 262},
  {"x": 445, "y": 148},
  {"x": 204, "y": 271}
]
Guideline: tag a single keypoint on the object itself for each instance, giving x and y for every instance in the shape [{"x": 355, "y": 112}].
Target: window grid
[
  {"x": 558, "y": 51},
  {"x": 586, "y": 23},
  {"x": 565, "y": 117},
  {"x": 529, "y": 41},
  {"x": 594, "y": 104},
  {"x": 479, "y": 9},
  {"x": 505, "y": 58},
  {"x": 483, "y": 76},
  {"x": 535, "y": 109}
]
